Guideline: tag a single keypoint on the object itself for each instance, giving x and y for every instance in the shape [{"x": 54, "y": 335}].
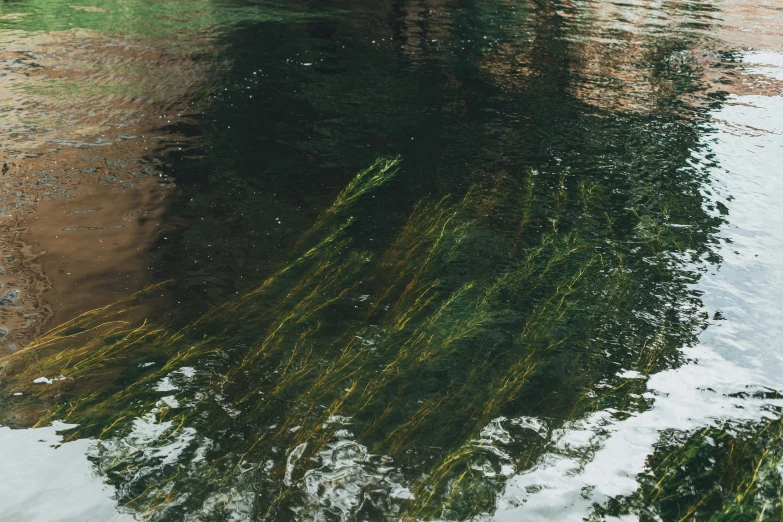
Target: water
[
  {"x": 391, "y": 260},
  {"x": 736, "y": 357}
]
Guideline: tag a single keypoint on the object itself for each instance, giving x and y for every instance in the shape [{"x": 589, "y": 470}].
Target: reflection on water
[
  {"x": 52, "y": 481},
  {"x": 91, "y": 99},
  {"x": 418, "y": 260}
]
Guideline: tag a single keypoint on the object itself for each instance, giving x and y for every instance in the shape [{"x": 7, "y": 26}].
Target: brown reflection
[
  {"x": 423, "y": 25},
  {"x": 629, "y": 56},
  {"x": 94, "y": 246},
  {"x": 634, "y": 56},
  {"x": 616, "y": 56},
  {"x": 752, "y": 25},
  {"x": 82, "y": 195}
]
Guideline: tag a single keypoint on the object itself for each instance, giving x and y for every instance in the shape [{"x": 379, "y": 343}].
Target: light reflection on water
[{"x": 44, "y": 479}]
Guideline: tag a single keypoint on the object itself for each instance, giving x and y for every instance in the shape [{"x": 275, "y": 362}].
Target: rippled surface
[{"x": 391, "y": 260}]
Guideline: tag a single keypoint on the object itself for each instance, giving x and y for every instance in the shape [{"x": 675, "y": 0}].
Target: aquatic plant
[
  {"x": 728, "y": 471},
  {"x": 355, "y": 382}
]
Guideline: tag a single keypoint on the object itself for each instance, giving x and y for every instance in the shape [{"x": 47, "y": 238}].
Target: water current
[{"x": 391, "y": 260}]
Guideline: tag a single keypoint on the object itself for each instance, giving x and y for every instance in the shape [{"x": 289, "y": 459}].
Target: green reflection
[{"x": 200, "y": 19}]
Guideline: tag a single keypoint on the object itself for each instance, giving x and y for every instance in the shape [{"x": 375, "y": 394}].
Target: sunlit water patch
[{"x": 44, "y": 479}]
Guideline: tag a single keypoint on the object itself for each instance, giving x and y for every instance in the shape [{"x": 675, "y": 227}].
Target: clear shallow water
[{"x": 555, "y": 299}]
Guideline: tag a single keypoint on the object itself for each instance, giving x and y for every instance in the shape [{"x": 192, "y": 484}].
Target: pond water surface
[{"x": 391, "y": 260}]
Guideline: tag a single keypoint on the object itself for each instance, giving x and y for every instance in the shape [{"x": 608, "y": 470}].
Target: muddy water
[{"x": 411, "y": 260}]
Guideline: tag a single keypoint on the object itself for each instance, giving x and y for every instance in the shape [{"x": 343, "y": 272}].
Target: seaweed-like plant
[
  {"x": 729, "y": 471},
  {"x": 356, "y": 383}
]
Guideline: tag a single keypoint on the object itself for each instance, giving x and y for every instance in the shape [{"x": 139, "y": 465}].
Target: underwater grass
[
  {"x": 400, "y": 356},
  {"x": 726, "y": 472}
]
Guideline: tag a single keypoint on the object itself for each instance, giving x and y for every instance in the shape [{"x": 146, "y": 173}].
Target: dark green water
[{"x": 438, "y": 261}]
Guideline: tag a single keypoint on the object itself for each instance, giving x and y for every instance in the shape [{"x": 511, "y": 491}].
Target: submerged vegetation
[
  {"x": 726, "y": 472},
  {"x": 364, "y": 381}
]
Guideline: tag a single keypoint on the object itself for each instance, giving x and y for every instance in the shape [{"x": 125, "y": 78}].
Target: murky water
[{"x": 391, "y": 260}]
